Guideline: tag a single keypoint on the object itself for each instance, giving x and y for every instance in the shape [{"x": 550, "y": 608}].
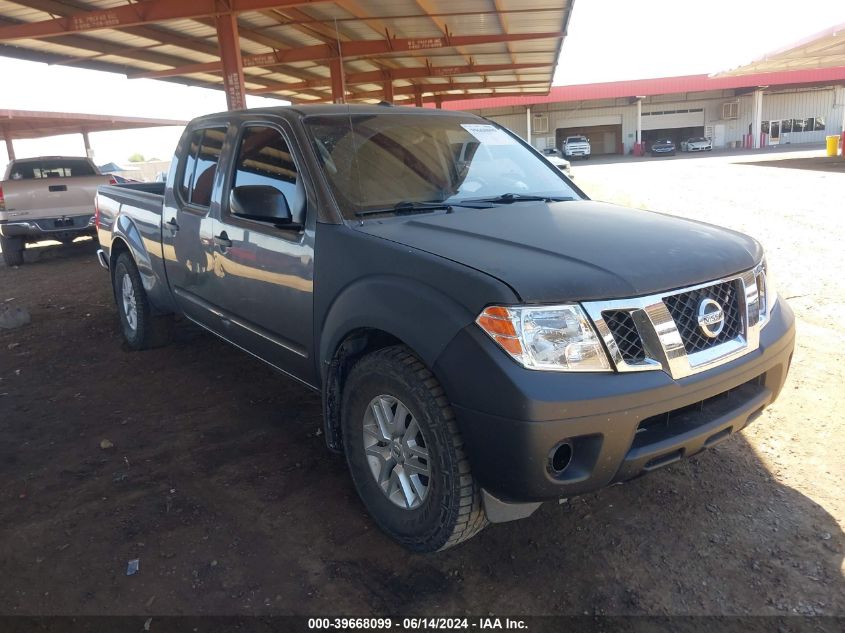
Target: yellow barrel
[{"x": 832, "y": 145}]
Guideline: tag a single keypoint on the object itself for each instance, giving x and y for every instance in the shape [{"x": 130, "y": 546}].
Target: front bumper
[
  {"x": 615, "y": 424},
  {"x": 49, "y": 228}
]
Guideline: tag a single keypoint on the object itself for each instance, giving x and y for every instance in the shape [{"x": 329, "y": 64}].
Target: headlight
[
  {"x": 760, "y": 306},
  {"x": 552, "y": 338},
  {"x": 765, "y": 291}
]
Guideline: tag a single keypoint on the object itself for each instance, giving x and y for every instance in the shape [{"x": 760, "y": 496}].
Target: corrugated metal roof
[
  {"x": 820, "y": 50},
  {"x": 417, "y": 34},
  {"x": 16, "y": 124},
  {"x": 652, "y": 87}
]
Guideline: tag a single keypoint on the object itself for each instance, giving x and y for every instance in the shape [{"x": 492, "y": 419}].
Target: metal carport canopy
[
  {"x": 28, "y": 124},
  {"x": 404, "y": 51},
  {"x": 821, "y": 50}
]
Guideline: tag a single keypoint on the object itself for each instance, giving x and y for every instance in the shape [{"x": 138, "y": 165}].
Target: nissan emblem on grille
[{"x": 711, "y": 317}]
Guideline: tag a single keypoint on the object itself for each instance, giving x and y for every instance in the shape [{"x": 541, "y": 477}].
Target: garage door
[
  {"x": 604, "y": 139},
  {"x": 672, "y": 119}
]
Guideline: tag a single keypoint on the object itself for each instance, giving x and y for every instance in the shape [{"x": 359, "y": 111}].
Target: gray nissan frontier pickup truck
[{"x": 483, "y": 335}]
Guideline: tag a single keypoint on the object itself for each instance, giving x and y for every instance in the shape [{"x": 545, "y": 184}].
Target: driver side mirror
[{"x": 260, "y": 202}]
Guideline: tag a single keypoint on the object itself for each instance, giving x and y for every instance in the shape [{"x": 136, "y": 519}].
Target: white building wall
[
  {"x": 828, "y": 102},
  {"x": 837, "y": 116},
  {"x": 803, "y": 104}
]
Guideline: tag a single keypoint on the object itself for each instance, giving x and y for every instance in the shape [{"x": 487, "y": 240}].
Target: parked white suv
[{"x": 576, "y": 146}]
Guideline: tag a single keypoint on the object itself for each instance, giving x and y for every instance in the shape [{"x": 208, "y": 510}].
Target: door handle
[
  {"x": 172, "y": 224},
  {"x": 222, "y": 240}
]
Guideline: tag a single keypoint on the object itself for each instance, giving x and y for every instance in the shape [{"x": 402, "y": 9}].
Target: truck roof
[
  {"x": 35, "y": 158},
  {"x": 327, "y": 109}
]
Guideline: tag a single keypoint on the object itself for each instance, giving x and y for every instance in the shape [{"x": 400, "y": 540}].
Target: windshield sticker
[{"x": 489, "y": 134}]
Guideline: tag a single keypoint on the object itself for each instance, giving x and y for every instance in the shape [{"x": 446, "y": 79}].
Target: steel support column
[
  {"x": 87, "y": 142},
  {"x": 438, "y": 101},
  {"x": 418, "y": 96},
  {"x": 10, "y": 147},
  {"x": 338, "y": 80},
  {"x": 639, "y": 121},
  {"x": 388, "y": 90},
  {"x": 528, "y": 124},
  {"x": 757, "y": 118},
  {"x": 230, "y": 56}
]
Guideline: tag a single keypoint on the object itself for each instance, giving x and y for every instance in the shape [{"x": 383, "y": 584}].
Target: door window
[
  {"x": 201, "y": 165},
  {"x": 264, "y": 158}
]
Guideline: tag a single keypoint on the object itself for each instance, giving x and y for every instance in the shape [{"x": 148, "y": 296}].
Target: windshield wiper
[
  {"x": 417, "y": 207},
  {"x": 508, "y": 198},
  {"x": 406, "y": 207}
]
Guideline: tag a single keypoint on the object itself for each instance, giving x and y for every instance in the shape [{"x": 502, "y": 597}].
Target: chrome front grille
[
  {"x": 663, "y": 332},
  {"x": 684, "y": 310},
  {"x": 626, "y": 335}
]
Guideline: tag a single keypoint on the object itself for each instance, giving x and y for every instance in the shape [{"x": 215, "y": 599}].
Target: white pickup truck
[
  {"x": 576, "y": 146},
  {"x": 46, "y": 198}
]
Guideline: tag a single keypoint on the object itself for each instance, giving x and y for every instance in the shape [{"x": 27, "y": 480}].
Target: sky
[{"x": 642, "y": 38}]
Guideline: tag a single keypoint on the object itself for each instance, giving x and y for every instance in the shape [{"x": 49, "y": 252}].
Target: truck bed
[{"x": 148, "y": 196}]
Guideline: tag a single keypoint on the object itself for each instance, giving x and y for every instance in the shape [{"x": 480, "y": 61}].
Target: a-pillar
[
  {"x": 338, "y": 76},
  {"x": 757, "y": 117},
  {"x": 388, "y": 90},
  {"x": 230, "y": 55}
]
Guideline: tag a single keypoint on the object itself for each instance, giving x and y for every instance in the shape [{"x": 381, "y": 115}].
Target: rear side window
[
  {"x": 51, "y": 168},
  {"x": 201, "y": 165},
  {"x": 264, "y": 158}
]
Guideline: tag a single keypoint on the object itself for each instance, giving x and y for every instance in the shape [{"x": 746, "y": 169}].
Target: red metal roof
[{"x": 650, "y": 87}]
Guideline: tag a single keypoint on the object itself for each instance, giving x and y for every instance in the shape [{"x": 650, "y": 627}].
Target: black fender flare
[{"x": 408, "y": 310}]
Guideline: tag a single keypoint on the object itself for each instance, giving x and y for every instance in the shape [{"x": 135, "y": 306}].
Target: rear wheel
[
  {"x": 12, "y": 248},
  {"x": 141, "y": 329},
  {"x": 406, "y": 454}
]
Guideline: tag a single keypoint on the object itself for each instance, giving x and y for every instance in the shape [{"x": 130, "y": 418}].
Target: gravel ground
[{"x": 215, "y": 476}]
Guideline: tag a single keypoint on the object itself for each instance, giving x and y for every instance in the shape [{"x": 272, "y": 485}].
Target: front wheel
[
  {"x": 12, "y": 248},
  {"x": 406, "y": 455},
  {"x": 141, "y": 329}
]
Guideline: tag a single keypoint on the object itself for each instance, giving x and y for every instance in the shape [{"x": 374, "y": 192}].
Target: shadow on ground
[
  {"x": 835, "y": 164},
  {"x": 219, "y": 482}
]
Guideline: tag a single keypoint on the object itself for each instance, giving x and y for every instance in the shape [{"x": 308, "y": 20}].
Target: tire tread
[{"x": 467, "y": 512}]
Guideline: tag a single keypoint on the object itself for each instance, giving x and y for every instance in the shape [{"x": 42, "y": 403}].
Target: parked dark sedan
[{"x": 663, "y": 147}]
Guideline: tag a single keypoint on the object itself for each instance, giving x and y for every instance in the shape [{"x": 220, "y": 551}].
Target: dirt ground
[{"x": 218, "y": 481}]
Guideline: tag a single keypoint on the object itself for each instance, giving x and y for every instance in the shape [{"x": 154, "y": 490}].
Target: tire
[
  {"x": 12, "y": 248},
  {"x": 141, "y": 329},
  {"x": 449, "y": 510}
]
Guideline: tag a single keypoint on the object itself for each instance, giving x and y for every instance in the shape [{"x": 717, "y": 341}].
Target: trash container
[{"x": 832, "y": 145}]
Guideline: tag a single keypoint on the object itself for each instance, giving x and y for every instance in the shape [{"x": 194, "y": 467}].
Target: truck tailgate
[{"x": 34, "y": 199}]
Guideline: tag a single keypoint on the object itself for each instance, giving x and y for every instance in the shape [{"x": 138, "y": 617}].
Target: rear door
[
  {"x": 187, "y": 225},
  {"x": 52, "y": 188},
  {"x": 264, "y": 275}
]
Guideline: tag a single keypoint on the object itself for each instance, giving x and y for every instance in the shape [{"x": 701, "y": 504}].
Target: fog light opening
[{"x": 561, "y": 457}]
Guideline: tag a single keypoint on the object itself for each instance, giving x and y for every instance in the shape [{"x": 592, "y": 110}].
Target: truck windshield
[
  {"x": 51, "y": 168},
  {"x": 380, "y": 161}
]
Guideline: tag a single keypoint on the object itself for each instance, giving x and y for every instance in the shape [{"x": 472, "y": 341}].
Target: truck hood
[{"x": 576, "y": 251}]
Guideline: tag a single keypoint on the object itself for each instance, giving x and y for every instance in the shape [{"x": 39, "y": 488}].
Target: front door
[
  {"x": 264, "y": 274},
  {"x": 774, "y": 132},
  {"x": 187, "y": 225}
]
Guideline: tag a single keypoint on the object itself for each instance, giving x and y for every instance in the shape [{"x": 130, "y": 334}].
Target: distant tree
[{"x": 136, "y": 158}]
